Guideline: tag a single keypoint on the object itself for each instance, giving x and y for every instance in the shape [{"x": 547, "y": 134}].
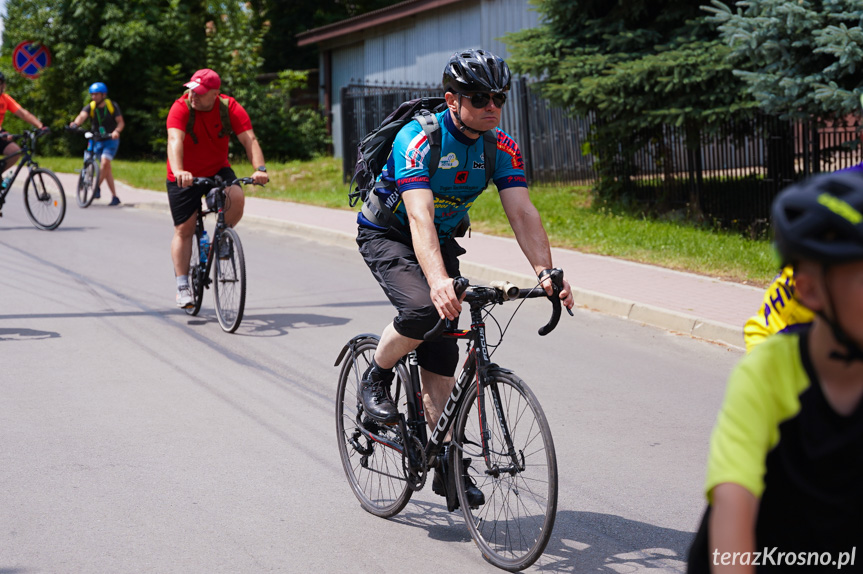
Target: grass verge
[{"x": 567, "y": 212}]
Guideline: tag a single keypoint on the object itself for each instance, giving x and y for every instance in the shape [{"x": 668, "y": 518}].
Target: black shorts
[
  {"x": 186, "y": 201},
  {"x": 394, "y": 264}
]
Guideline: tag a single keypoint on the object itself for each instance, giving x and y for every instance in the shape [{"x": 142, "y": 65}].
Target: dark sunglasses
[{"x": 480, "y": 100}]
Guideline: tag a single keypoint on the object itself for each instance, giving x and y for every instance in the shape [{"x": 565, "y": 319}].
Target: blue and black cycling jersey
[{"x": 459, "y": 177}]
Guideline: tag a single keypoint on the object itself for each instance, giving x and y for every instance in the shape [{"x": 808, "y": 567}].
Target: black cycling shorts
[
  {"x": 186, "y": 201},
  {"x": 394, "y": 264}
]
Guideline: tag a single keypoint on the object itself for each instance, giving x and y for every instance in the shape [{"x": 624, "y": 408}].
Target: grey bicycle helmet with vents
[
  {"x": 476, "y": 71},
  {"x": 821, "y": 219}
]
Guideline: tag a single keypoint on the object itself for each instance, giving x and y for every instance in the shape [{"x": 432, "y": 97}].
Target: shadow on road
[
  {"x": 21, "y": 334},
  {"x": 580, "y": 542},
  {"x": 272, "y": 324}
]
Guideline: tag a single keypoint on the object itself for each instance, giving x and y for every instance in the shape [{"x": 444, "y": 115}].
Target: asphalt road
[{"x": 134, "y": 438}]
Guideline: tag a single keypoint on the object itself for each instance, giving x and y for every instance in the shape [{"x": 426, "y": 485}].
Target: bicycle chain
[{"x": 415, "y": 479}]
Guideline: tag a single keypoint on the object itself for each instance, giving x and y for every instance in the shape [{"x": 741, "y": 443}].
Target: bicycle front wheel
[
  {"x": 517, "y": 475},
  {"x": 196, "y": 278},
  {"x": 229, "y": 278},
  {"x": 374, "y": 470},
  {"x": 88, "y": 181},
  {"x": 44, "y": 199}
]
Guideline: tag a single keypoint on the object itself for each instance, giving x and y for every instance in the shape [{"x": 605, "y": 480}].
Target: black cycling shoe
[
  {"x": 444, "y": 485},
  {"x": 375, "y": 396}
]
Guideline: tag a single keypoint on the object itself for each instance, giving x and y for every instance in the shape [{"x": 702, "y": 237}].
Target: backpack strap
[
  {"x": 431, "y": 127},
  {"x": 226, "y": 118},
  {"x": 489, "y": 150},
  {"x": 93, "y": 119},
  {"x": 190, "y": 124}
]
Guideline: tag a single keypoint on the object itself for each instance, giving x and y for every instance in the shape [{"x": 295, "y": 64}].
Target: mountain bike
[
  {"x": 44, "y": 198},
  {"x": 88, "y": 178},
  {"x": 224, "y": 255},
  {"x": 501, "y": 439}
]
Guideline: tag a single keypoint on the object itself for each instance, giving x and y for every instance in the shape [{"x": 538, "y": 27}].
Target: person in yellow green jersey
[
  {"x": 784, "y": 481},
  {"x": 780, "y": 308}
]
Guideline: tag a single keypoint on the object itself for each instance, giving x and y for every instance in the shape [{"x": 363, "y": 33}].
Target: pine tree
[
  {"x": 636, "y": 65},
  {"x": 799, "y": 59}
]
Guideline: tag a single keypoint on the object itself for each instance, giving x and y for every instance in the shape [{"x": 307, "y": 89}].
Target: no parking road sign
[{"x": 29, "y": 59}]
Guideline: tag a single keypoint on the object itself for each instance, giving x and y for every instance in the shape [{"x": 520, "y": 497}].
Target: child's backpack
[{"x": 375, "y": 148}]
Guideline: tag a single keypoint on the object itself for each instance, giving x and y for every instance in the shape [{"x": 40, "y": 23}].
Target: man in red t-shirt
[
  {"x": 7, "y": 104},
  {"x": 203, "y": 152}
]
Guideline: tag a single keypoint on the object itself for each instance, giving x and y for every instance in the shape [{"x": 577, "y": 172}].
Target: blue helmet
[{"x": 98, "y": 88}]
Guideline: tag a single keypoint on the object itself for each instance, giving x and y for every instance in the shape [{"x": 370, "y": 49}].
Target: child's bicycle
[
  {"x": 501, "y": 441},
  {"x": 44, "y": 198},
  {"x": 224, "y": 255},
  {"x": 88, "y": 178}
]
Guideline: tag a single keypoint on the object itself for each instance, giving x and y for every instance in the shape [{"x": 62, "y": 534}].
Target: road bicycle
[
  {"x": 88, "y": 178},
  {"x": 224, "y": 255},
  {"x": 501, "y": 439},
  {"x": 44, "y": 198}
]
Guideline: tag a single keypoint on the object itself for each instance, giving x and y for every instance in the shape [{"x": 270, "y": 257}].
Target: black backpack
[{"x": 375, "y": 148}]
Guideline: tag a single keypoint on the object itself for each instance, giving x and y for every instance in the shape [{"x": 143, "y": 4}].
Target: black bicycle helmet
[
  {"x": 821, "y": 219},
  {"x": 2, "y": 78},
  {"x": 476, "y": 71}
]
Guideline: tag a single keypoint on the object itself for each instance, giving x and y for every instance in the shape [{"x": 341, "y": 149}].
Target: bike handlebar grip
[
  {"x": 557, "y": 285},
  {"x": 460, "y": 285}
]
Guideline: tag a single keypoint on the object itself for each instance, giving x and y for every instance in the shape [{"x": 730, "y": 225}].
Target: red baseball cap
[{"x": 203, "y": 81}]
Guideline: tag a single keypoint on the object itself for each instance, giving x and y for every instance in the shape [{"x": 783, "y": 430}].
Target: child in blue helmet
[{"x": 106, "y": 120}]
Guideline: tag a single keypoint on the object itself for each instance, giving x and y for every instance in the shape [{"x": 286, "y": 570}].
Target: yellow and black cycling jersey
[
  {"x": 779, "y": 309},
  {"x": 778, "y": 437}
]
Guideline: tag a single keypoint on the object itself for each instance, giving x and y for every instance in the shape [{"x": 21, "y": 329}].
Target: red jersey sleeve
[
  {"x": 178, "y": 116},
  {"x": 240, "y": 121},
  {"x": 11, "y": 105}
]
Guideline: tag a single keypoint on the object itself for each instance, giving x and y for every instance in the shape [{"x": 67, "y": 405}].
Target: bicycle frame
[
  {"x": 219, "y": 210},
  {"x": 477, "y": 364},
  {"x": 26, "y": 159}
]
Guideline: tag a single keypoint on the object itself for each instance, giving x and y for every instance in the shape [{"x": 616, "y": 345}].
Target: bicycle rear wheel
[
  {"x": 374, "y": 471},
  {"x": 229, "y": 277},
  {"x": 44, "y": 199},
  {"x": 514, "y": 525},
  {"x": 196, "y": 278}
]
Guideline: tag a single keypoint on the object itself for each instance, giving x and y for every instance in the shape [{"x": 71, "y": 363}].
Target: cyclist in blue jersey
[{"x": 415, "y": 256}]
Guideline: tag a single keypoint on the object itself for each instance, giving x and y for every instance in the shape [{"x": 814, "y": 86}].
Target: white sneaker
[{"x": 184, "y": 298}]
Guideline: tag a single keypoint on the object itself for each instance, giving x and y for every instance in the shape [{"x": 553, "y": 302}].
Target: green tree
[
  {"x": 142, "y": 49},
  {"x": 636, "y": 65},
  {"x": 798, "y": 59},
  {"x": 234, "y": 40}
]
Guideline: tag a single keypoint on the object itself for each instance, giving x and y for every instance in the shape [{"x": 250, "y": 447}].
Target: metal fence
[
  {"x": 729, "y": 173},
  {"x": 550, "y": 140}
]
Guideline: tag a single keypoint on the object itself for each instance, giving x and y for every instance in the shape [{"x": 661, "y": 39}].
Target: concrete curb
[{"x": 645, "y": 314}]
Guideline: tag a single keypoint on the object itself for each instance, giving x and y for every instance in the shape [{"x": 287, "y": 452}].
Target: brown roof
[{"x": 369, "y": 20}]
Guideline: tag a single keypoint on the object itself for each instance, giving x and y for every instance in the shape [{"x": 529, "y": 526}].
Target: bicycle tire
[
  {"x": 88, "y": 181},
  {"x": 514, "y": 525},
  {"x": 229, "y": 282},
  {"x": 376, "y": 479},
  {"x": 44, "y": 199},
  {"x": 196, "y": 283}
]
